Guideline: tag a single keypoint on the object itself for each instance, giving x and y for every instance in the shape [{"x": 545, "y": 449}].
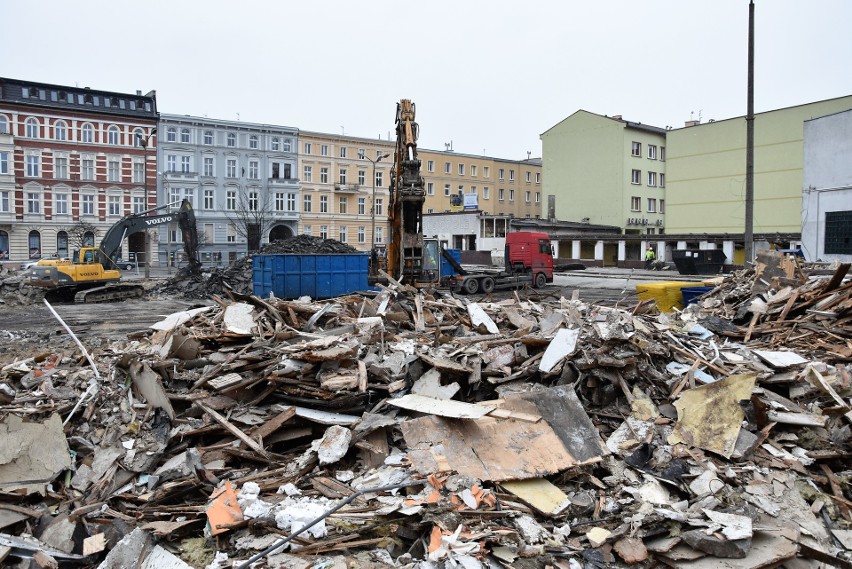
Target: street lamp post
[
  {"x": 373, "y": 207},
  {"x": 143, "y": 142}
]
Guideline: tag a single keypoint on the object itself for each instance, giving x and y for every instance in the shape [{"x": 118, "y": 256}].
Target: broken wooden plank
[{"x": 251, "y": 443}]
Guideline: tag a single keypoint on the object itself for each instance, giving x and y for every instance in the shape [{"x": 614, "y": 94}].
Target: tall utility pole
[
  {"x": 749, "y": 197},
  {"x": 144, "y": 142}
]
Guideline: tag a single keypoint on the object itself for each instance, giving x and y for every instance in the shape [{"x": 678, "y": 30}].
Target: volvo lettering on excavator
[{"x": 93, "y": 276}]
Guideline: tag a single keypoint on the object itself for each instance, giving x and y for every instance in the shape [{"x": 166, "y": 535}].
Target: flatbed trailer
[{"x": 489, "y": 281}]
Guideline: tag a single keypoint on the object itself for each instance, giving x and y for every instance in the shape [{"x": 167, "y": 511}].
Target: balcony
[
  {"x": 347, "y": 188},
  {"x": 283, "y": 182}
]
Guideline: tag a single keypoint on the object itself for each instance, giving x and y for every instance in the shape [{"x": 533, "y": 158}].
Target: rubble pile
[
  {"x": 13, "y": 289},
  {"x": 237, "y": 276},
  {"x": 418, "y": 429}
]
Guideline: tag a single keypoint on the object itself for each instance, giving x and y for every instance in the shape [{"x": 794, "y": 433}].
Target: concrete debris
[{"x": 516, "y": 432}]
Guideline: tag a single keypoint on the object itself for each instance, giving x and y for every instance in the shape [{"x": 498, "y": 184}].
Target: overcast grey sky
[{"x": 490, "y": 76}]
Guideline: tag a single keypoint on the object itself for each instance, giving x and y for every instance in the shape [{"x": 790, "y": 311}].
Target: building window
[
  {"x": 529, "y": 177},
  {"x": 635, "y": 203},
  {"x": 87, "y": 133},
  {"x": 461, "y": 169},
  {"x": 254, "y": 170},
  {"x": 446, "y": 189},
  {"x": 291, "y": 202},
  {"x": 306, "y": 204},
  {"x": 379, "y": 235},
  {"x": 663, "y": 153},
  {"x": 253, "y": 141},
  {"x": 323, "y": 204},
  {"x": 174, "y": 197},
  {"x": 662, "y": 180},
  {"x": 138, "y": 204},
  {"x": 231, "y": 200},
  {"x": 636, "y": 149},
  {"x": 279, "y": 201},
  {"x": 32, "y": 165},
  {"x": 208, "y": 138},
  {"x": 380, "y": 206},
  {"x": 838, "y": 232},
  {"x": 652, "y": 179},
  {"x": 361, "y": 177},
  {"x": 253, "y": 201},
  {"x": 511, "y": 175},
  {"x": 32, "y": 128},
  {"x": 361, "y": 154},
  {"x": 486, "y": 171},
  {"x": 87, "y": 170},
  {"x": 276, "y": 143},
  {"x": 308, "y": 148},
  {"x": 307, "y": 230},
  {"x": 324, "y": 150},
  {"x": 208, "y": 166},
  {"x": 473, "y": 169},
  {"x": 486, "y": 193},
  {"x": 60, "y": 168},
  {"x": 538, "y": 197},
  {"x": 323, "y": 232},
  {"x": 636, "y": 176},
  {"x": 323, "y": 175},
  {"x": 231, "y": 168},
  {"x": 500, "y": 175},
  {"x": 60, "y": 204},
  {"x": 112, "y": 136},
  {"x": 342, "y": 234},
  {"x": 447, "y": 168},
  {"x": 430, "y": 189},
  {"x": 342, "y": 203},
  {"x": 379, "y": 179},
  {"x": 652, "y": 152},
  {"x": 4, "y": 162},
  {"x": 308, "y": 173},
  {"x": 362, "y": 206},
  {"x": 114, "y": 205},
  {"x": 538, "y": 177},
  {"x": 4, "y": 125},
  {"x": 60, "y": 131},
  {"x": 184, "y": 164},
  {"x": 343, "y": 152},
  {"x": 662, "y": 206},
  {"x": 33, "y": 202},
  {"x": 430, "y": 165},
  {"x": 4, "y": 202},
  {"x": 232, "y": 139},
  {"x": 287, "y": 145},
  {"x": 501, "y": 193},
  {"x": 208, "y": 199},
  {"x": 342, "y": 177},
  {"x": 652, "y": 205},
  {"x": 528, "y": 197},
  {"x": 362, "y": 234},
  {"x": 231, "y": 236},
  {"x": 184, "y": 135},
  {"x": 171, "y": 134},
  {"x": 511, "y": 195},
  {"x": 88, "y": 204},
  {"x": 171, "y": 163}
]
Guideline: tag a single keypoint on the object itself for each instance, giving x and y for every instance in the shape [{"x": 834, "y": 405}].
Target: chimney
[
  {"x": 691, "y": 123},
  {"x": 138, "y": 92}
]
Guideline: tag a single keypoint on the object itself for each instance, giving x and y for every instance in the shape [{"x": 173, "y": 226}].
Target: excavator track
[{"x": 109, "y": 293}]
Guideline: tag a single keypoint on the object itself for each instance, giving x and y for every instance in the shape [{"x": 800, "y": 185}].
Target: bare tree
[
  {"x": 77, "y": 235},
  {"x": 252, "y": 216}
]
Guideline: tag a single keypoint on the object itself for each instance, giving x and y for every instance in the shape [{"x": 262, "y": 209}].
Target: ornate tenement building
[{"x": 71, "y": 156}]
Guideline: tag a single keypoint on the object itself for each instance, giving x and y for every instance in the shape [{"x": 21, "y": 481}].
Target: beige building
[
  {"x": 344, "y": 188},
  {"x": 337, "y": 191}
]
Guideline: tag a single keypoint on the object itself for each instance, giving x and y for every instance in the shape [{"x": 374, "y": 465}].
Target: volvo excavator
[{"x": 92, "y": 275}]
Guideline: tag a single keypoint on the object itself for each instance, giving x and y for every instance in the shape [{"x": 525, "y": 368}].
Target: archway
[{"x": 279, "y": 233}]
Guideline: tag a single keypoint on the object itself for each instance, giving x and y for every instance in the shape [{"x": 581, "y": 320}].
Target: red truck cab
[{"x": 530, "y": 252}]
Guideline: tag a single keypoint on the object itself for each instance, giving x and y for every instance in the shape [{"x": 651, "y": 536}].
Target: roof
[
  {"x": 617, "y": 118},
  {"x": 50, "y": 96}
]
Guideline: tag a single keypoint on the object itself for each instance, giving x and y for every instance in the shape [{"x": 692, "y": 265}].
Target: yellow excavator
[{"x": 93, "y": 276}]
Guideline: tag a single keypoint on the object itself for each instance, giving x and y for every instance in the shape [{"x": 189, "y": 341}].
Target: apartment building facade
[
  {"x": 72, "y": 157},
  {"x": 236, "y": 175},
  {"x": 606, "y": 170}
]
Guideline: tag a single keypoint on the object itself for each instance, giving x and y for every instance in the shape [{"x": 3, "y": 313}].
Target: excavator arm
[{"x": 134, "y": 223}]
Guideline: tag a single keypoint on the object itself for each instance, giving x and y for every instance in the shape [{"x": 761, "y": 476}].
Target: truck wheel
[
  {"x": 487, "y": 285},
  {"x": 540, "y": 280},
  {"x": 471, "y": 286}
]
